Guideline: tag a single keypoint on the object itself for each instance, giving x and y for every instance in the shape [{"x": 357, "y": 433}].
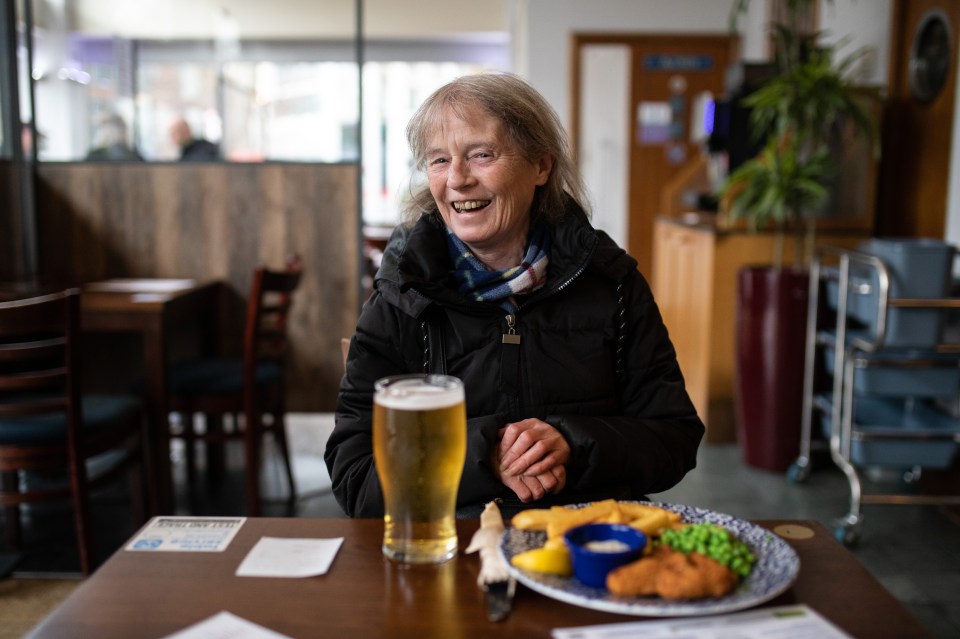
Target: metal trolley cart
[{"x": 888, "y": 391}]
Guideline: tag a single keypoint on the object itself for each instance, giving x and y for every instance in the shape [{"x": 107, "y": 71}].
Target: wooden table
[
  {"x": 154, "y": 309},
  {"x": 142, "y": 594}
]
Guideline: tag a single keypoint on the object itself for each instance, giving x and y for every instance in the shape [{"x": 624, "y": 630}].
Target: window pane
[
  {"x": 169, "y": 91},
  {"x": 291, "y": 111}
]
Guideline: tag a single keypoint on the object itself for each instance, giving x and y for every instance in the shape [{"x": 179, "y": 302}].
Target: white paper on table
[
  {"x": 226, "y": 625},
  {"x": 783, "y": 622},
  {"x": 140, "y": 285},
  {"x": 147, "y": 298},
  {"x": 286, "y": 557},
  {"x": 194, "y": 534}
]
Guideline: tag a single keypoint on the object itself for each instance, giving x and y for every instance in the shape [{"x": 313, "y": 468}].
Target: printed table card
[{"x": 186, "y": 534}]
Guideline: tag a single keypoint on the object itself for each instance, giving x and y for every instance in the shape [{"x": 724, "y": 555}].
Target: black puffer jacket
[{"x": 631, "y": 432}]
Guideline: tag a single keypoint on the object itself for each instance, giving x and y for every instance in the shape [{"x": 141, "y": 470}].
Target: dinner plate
[{"x": 774, "y": 572}]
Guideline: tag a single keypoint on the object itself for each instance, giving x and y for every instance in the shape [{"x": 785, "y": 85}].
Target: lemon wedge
[{"x": 554, "y": 561}]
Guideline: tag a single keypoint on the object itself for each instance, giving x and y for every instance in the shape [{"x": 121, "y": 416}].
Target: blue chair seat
[
  {"x": 99, "y": 412},
  {"x": 216, "y": 376}
]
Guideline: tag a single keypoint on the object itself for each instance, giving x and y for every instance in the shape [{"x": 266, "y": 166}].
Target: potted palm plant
[{"x": 802, "y": 110}]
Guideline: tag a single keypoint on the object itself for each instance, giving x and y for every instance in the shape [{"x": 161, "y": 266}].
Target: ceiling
[{"x": 277, "y": 19}]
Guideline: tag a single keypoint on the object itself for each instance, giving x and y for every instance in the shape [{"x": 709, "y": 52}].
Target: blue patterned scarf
[{"x": 484, "y": 285}]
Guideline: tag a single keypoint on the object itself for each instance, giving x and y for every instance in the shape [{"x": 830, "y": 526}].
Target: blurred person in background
[
  {"x": 110, "y": 141},
  {"x": 192, "y": 149}
]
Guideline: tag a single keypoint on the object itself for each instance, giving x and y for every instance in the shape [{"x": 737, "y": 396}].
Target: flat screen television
[{"x": 731, "y": 131}]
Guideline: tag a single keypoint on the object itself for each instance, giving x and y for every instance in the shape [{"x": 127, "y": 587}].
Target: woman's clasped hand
[{"x": 530, "y": 459}]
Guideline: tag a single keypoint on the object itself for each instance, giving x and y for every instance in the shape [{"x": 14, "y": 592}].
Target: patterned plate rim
[{"x": 775, "y": 572}]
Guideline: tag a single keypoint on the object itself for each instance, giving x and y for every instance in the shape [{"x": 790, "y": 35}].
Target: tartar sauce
[{"x": 608, "y": 545}]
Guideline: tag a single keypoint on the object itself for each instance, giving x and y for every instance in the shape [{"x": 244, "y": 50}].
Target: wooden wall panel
[
  {"x": 917, "y": 136},
  {"x": 216, "y": 221}
]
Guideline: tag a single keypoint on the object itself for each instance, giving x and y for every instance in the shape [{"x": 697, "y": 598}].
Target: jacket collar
[{"x": 415, "y": 270}]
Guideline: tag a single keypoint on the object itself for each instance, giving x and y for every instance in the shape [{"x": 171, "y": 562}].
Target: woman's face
[{"x": 483, "y": 185}]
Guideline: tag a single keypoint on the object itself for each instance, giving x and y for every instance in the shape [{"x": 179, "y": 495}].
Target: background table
[
  {"x": 142, "y": 594},
  {"x": 155, "y": 309}
]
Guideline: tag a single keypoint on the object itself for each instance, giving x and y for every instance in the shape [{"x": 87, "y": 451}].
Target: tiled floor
[{"x": 913, "y": 550}]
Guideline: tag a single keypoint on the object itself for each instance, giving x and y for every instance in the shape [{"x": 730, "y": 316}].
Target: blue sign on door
[{"x": 660, "y": 62}]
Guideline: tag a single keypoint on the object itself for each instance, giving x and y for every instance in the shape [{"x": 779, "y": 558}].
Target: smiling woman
[{"x": 573, "y": 390}]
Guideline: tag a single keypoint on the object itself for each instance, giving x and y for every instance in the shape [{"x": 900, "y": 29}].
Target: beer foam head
[{"x": 415, "y": 394}]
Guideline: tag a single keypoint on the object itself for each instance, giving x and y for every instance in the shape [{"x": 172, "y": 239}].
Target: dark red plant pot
[{"x": 770, "y": 340}]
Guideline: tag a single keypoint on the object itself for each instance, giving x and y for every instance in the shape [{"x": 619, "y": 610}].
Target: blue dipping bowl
[{"x": 590, "y": 567}]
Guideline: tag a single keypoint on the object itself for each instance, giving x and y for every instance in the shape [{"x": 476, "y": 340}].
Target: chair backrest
[
  {"x": 268, "y": 309},
  {"x": 38, "y": 354}
]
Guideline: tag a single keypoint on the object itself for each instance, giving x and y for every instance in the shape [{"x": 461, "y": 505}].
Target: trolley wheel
[
  {"x": 847, "y": 534},
  {"x": 910, "y": 479},
  {"x": 798, "y": 473}
]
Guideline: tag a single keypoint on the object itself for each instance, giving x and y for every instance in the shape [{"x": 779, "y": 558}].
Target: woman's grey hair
[{"x": 528, "y": 121}]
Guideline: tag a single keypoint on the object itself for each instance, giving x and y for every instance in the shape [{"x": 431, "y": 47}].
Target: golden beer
[{"x": 419, "y": 445}]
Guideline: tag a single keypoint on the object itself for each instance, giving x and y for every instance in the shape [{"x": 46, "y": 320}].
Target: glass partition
[
  {"x": 292, "y": 111},
  {"x": 241, "y": 84}
]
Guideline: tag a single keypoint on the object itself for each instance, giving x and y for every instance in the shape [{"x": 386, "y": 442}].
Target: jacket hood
[{"x": 416, "y": 267}]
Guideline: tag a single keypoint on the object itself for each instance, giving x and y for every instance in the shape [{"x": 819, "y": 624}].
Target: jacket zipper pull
[
  {"x": 511, "y": 337},
  {"x": 510, "y": 359}
]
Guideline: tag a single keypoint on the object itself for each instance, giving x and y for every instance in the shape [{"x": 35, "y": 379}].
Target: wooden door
[
  {"x": 912, "y": 197},
  {"x": 667, "y": 72}
]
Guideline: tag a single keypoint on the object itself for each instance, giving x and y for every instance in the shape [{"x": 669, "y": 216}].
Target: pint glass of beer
[{"x": 419, "y": 445}]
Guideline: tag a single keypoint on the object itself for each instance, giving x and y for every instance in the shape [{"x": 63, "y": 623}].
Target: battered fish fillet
[
  {"x": 637, "y": 579},
  {"x": 672, "y": 575},
  {"x": 693, "y": 576}
]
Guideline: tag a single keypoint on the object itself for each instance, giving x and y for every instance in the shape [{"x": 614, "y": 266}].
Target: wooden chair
[
  {"x": 47, "y": 425},
  {"x": 252, "y": 386}
]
